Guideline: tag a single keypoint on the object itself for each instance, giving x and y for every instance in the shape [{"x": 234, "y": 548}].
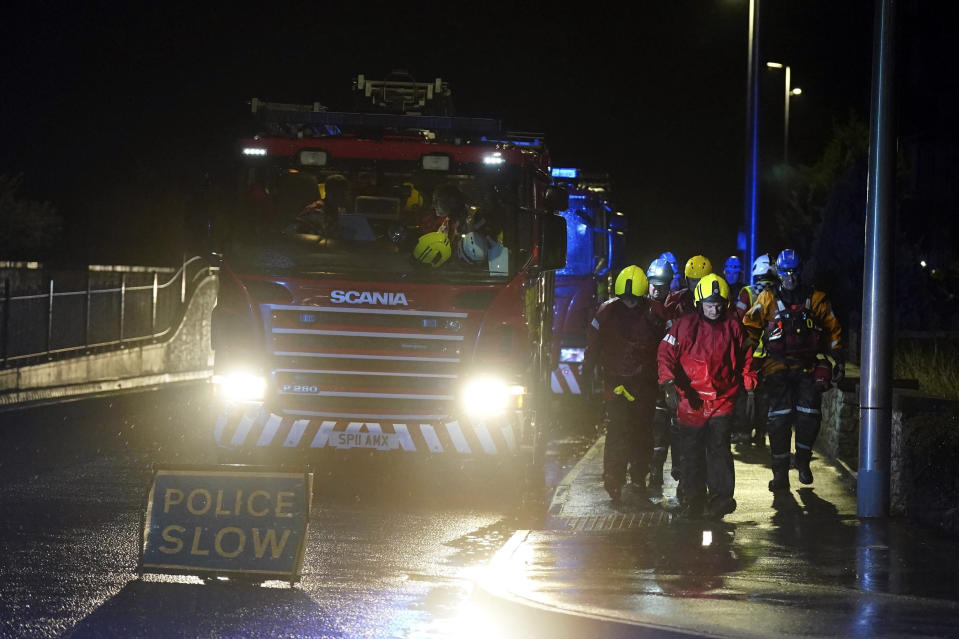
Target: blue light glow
[{"x": 564, "y": 173}]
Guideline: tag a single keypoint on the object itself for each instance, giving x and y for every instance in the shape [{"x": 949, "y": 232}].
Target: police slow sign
[{"x": 226, "y": 520}]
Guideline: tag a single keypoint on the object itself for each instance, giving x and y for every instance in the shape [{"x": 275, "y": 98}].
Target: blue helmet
[
  {"x": 671, "y": 259},
  {"x": 660, "y": 272},
  {"x": 788, "y": 260},
  {"x": 733, "y": 268}
]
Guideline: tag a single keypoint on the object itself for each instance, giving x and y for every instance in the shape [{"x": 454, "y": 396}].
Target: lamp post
[
  {"x": 752, "y": 132},
  {"x": 789, "y": 93}
]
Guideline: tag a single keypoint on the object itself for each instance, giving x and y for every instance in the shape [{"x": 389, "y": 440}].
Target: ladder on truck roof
[{"x": 400, "y": 93}]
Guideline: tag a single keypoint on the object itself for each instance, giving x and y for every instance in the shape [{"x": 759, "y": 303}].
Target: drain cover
[{"x": 617, "y": 521}]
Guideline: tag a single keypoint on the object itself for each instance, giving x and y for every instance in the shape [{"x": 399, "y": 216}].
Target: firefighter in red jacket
[
  {"x": 793, "y": 325},
  {"x": 704, "y": 363},
  {"x": 622, "y": 339}
]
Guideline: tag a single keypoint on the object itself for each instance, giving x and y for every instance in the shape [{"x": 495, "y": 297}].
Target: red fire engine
[
  {"x": 595, "y": 250},
  {"x": 358, "y": 309}
]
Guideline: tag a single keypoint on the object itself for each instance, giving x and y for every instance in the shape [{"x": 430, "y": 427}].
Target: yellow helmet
[
  {"x": 415, "y": 198},
  {"x": 711, "y": 288},
  {"x": 433, "y": 249},
  {"x": 631, "y": 281},
  {"x": 698, "y": 266}
]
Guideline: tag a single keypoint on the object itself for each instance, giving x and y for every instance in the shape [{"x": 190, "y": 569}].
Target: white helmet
[
  {"x": 473, "y": 248},
  {"x": 762, "y": 265}
]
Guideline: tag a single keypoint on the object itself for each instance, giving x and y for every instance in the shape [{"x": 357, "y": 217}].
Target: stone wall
[{"x": 924, "y": 452}]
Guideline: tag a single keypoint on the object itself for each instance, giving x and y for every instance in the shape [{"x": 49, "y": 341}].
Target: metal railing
[{"x": 113, "y": 308}]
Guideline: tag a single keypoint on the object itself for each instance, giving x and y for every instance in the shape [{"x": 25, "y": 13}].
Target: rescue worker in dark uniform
[
  {"x": 622, "y": 339},
  {"x": 751, "y": 408},
  {"x": 681, "y": 302},
  {"x": 704, "y": 363},
  {"x": 660, "y": 276},
  {"x": 793, "y": 325}
]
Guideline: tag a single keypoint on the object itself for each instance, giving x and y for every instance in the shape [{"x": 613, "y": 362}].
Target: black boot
[
  {"x": 656, "y": 469},
  {"x": 803, "y": 455},
  {"x": 780, "y": 480}
]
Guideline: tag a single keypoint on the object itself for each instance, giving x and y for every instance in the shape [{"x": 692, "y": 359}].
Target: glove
[
  {"x": 671, "y": 396},
  {"x": 750, "y": 406},
  {"x": 839, "y": 370},
  {"x": 621, "y": 390},
  {"x": 693, "y": 398}
]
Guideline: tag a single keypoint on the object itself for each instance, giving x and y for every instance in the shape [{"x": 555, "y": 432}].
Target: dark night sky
[{"x": 108, "y": 107}]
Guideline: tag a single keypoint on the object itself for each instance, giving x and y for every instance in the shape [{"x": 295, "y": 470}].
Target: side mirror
[
  {"x": 554, "y": 242},
  {"x": 556, "y": 199}
]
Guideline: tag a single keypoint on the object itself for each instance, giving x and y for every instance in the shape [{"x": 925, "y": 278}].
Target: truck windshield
[{"x": 369, "y": 221}]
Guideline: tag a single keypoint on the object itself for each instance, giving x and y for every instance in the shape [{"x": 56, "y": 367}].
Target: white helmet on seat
[{"x": 473, "y": 248}]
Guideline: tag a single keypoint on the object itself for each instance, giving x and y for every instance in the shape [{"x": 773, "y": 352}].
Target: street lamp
[
  {"x": 752, "y": 132},
  {"x": 789, "y": 93}
]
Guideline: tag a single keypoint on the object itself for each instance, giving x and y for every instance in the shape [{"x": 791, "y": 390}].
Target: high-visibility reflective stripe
[
  {"x": 669, "y": 339},
  {"x": 432, "y": 440},
  {"x": 834, "y": 344},
  {"x": 554, "y": 384},
  {"x": 456, "y": 434},
  {"x": 269, "y": 430},
  {"x": 403, "y": 434},
  {"x": 322, "y": 435},
  {"x": 484, "y": 437},
  {"x": 780, "y": 305},
  {"x": 243, "y": 428},
  {"x": 803, "y": 446},
  {"x": 741, "y": 305},
  {"x": 570, "y": 376},
  {"x": 296, "y": 433},
  {"x": 781, "y": 456},
  {"x": 595, "y": 323},
  {"x": 808, "y": 411},
  {"x": 784, "y": 411}
]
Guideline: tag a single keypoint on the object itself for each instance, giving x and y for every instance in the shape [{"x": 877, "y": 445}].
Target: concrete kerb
[
  {"x": 561, "y": 494},
  {"x": 537, "y": 619},
  {"x": 528, "y": 618}
]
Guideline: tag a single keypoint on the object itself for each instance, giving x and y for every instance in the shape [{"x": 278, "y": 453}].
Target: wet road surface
[{"x": 392, "y": 549}]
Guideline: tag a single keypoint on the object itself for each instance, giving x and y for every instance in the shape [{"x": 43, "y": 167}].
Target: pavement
[{"x": 796, "y": 563}]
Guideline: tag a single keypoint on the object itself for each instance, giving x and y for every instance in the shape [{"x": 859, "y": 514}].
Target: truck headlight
[
  {"x": 489, "y": 396},
  {"x": 240, "y": 386}
]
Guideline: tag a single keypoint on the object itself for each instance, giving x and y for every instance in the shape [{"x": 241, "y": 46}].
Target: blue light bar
[
  {"x": 564, "y": 173},
  {"x": 532, "y": 143}
]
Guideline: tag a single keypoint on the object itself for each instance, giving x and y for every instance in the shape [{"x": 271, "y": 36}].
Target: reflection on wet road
[{"x": 392, "y": 549}]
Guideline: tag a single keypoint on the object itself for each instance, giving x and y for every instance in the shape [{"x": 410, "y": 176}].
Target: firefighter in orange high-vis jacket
[
  {"x": 794, "y": 325},
  {"x": 622, "y": 339},
  {"x": 704, "y": 363}
]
